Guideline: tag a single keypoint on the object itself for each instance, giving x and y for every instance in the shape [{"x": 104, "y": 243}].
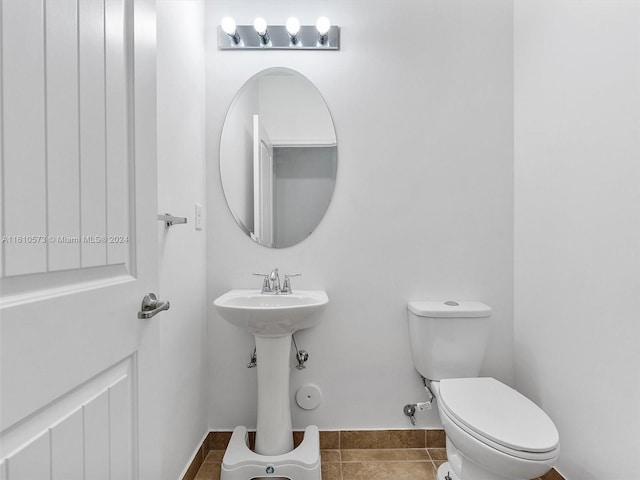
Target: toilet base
[
  {"x": 470, "y": 471},
  {"x": 446, "y": 473},
  {"x": 301, "y": 463}
]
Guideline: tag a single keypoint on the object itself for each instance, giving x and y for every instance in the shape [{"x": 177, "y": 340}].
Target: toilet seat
[{"x": 500, "y": 417}]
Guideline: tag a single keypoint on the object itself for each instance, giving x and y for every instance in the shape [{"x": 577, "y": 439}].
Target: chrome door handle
[
  {"x": 170, "y": 220},
  {"x": 152, "y": 306}
]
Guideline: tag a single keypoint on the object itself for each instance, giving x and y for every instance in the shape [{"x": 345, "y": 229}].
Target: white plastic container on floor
[{"x": 301, "y": 463}]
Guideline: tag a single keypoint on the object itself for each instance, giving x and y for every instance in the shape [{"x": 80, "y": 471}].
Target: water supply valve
[
  {"x": 253, "y": 361},
  {"x": 411, "y": 408},
  {"x": 410, "y": 411}
]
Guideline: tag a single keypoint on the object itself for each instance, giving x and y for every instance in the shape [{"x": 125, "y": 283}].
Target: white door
[
  {"x": 78, "y": 371},
  {"x": 263, "y": 188}
]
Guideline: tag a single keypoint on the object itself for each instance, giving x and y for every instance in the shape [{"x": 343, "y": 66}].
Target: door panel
[
  {"x": 117, "y": 192},
  {"x": 66, "y": 152},
  {"x": 96, "y": 421},
  {"x": 23, "y": 149},
  {"x": 78, "y": 369},
  {"x": 63, "y": 166},
  {"x": 32, "y": 462},
  {"x": 67, "y": 448},
  {"x": 90, "y": 429}
]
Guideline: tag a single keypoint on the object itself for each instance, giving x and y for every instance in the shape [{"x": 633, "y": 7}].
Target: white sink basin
[{"x": 271, "y": 315}]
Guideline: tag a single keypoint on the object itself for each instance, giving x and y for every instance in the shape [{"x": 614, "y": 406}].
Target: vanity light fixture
[
  {"x": 228, "y": 25},
  {"x": 292, "y": 35},
  {"x": 260, "y": 25}
]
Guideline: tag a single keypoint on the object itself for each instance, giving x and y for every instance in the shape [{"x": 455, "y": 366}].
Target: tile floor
[
  {"x": 356, "y": 455},
  {"x": 361, "y": 464},
  {"x": 356, "y": 464}
]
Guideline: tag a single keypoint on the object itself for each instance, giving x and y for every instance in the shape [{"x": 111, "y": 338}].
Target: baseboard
[{"x": 200, "y": 453}]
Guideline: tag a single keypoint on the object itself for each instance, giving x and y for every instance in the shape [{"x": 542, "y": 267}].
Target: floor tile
[
  {"x": 331, "y": 471},
  {"x": 385, "y": 455},
  {"x": 218, "y": 440},
  {"x": 552, "y": 475},
  {"x": 209, "y": 471},
  {"x": 214, "y": 456},
  {"x": 436, "y": 439},
  {"x": 329, "y": 439},
  {"x": 353, "y": 439},
  {"x": 437, "y": 453},
  {"x": 330, "y": 456},
  {"x": 388, "y": 471}
]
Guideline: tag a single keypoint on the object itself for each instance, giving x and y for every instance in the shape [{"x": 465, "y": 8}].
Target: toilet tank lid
[{"x": 449, "y": 308}]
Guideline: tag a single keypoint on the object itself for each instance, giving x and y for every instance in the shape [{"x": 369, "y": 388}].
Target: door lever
[{"x": 151, "y": 306}]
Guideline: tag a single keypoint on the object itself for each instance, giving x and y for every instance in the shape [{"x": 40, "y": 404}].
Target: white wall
[
  {"x": 422, "y": 207},
  {"x": 577, "y": 227},
  {"x": 181, "y": 131}
]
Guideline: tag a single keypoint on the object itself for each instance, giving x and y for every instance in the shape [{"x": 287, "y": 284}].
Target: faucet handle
[
  {"x": 286, "y": 287},
  {"x": 266, "y": 285}
]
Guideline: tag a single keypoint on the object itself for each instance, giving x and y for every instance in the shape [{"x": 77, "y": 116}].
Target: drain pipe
[{"x": 410, "y": 409}]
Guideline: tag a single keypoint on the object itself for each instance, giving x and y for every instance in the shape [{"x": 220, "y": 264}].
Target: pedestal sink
[
  {"x": 269, "y": 315},
  {"x": 272, "y": 319}
]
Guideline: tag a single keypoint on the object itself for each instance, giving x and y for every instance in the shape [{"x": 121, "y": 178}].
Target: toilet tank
[{"x": 448, "y": 339}]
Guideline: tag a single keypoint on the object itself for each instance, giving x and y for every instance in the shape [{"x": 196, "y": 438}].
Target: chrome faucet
[
  {"x": 275, "y": 281},
  {"x": 271, "y": 282}
]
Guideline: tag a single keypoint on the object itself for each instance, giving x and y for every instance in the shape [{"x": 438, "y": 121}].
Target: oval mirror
[{"x": 278, "y": 157}]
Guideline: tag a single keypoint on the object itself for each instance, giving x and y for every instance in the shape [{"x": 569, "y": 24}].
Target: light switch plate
[{"x": 198, "y": 215}]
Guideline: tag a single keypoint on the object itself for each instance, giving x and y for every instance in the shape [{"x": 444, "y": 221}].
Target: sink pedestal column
[{"x": 273, "y": 433}]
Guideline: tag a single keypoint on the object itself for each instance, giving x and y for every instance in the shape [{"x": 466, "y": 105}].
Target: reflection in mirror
[{"x": 278, "y": 157}]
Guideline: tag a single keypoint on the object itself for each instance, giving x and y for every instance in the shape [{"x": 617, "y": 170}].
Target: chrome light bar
[{"x": 246, "y": 37}]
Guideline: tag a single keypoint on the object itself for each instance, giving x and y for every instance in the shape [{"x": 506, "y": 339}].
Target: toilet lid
[{"x": 499, "y": 413}]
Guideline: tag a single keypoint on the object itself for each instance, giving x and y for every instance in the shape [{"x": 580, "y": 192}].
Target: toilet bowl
[{"x": 493, "y": 432}]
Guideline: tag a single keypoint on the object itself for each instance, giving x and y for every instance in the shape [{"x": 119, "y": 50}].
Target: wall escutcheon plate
[{"x": 308, "y": 397}]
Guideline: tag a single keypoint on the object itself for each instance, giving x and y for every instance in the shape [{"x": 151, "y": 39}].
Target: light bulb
[
  {"x": 228, "y": 25},
  {"x": 293, "y": 26},
  {"x": 260, "y": 24},
  {"x": 323, "y": 25}
]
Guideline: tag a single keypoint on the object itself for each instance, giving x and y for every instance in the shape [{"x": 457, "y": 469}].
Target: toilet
[{"x": 493, "y": 432}]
